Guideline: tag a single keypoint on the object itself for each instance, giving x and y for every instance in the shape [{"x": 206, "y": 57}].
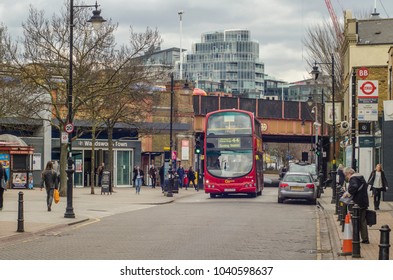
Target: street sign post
[
  {"x": 64, "y": 137},
  {"x": 368, "y": 89},
  {"x": 69, "y": 127}
]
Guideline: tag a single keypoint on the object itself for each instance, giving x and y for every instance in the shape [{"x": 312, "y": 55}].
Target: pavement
[
  {"x": 331, "y": 229},
  {"x": 92, "y": 207},
  {"x": 87, "y": 208}
]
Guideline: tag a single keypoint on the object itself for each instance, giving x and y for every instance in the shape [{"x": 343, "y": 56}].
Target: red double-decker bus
[{"x": 233, "y": 153}]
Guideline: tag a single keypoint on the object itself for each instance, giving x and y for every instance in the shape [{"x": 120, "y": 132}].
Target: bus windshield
[
  {"x": 225, "y": 123},
  {"x": 229, "y": 163}
]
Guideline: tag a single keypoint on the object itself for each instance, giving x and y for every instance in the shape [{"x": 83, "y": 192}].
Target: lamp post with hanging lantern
[
  {"x": 315, "y": 72},
  {"x": 96, "y": 20}
]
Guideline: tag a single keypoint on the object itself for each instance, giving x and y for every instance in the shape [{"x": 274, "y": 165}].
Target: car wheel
[
  {"x": 280, "y": 200},
  {"x": 212, "y": 195},
  {"x": 313, "y": 201}
]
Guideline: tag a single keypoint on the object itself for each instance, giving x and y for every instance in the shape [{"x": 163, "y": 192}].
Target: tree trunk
[{"x": 92, "y": 173}]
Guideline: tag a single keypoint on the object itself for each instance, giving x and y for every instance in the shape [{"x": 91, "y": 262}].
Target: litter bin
[
  {"x": 175, "y": 187},
  {"x": 106, "y": 182}
]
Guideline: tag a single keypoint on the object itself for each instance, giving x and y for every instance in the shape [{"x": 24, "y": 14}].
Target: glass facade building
[{"x": 226, "y": 61}]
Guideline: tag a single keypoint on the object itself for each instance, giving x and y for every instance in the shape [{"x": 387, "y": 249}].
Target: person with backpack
[{"x": 50, "y": 182}]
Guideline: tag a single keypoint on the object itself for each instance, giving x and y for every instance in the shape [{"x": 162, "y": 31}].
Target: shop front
[{"x": 125, "y": 157}]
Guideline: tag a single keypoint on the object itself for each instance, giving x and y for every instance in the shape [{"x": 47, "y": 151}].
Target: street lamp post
[
  {"x": 317, "y": 125},
  {"x": 171, "y": 171},
  {"x": 96, "y": 20},
  {"x": 180, "y": 13},
  {"x": 316, "y": 73}
]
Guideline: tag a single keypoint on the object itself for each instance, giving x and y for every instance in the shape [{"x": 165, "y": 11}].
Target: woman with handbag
[
  {"x": 3, "y": 184},
  {"x": 378, "y": 183},
  {"x": 49, "y": 180}
]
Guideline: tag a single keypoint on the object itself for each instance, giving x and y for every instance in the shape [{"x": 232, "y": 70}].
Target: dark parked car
[{"x": 297, "y": 185}]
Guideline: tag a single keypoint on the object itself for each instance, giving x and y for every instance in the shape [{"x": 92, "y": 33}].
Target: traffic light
[
  {"x": 198, "y": 149},
  {"x": 318, "y": 149},
  {"x": 199, "y": 137}
]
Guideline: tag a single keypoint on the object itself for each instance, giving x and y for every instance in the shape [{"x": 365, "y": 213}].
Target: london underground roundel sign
[{"x": 368, "y": 89}]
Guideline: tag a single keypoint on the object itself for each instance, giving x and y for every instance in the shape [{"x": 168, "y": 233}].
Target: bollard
[
  {"x": 384, "y": 243},
  {"x": 340, "y": 214},
  {"x": 21, "y": 227},
  {"x": 338, "y": 195},
  {"x": 344, "y": 212},
  {"x": 356, "y": 231}
]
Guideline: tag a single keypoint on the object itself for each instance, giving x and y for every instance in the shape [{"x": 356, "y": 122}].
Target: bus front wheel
[
  {"x": 212, "y": 195},
  {"x": 254, "y": 194}
]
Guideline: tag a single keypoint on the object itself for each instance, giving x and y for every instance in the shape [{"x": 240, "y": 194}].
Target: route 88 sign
[{"x": 69, "y": 128}]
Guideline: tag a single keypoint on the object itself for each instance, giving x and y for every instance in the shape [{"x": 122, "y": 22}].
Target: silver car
[
  {"x": 297, "y": 185},
  {"x": 307, "y": 167}
]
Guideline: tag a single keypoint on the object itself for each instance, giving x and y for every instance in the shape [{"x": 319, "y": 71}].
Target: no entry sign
[{"x": 368, "y": 89}]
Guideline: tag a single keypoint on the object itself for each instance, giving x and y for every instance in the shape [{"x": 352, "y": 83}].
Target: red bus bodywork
[{"x": 233, "y": 153}]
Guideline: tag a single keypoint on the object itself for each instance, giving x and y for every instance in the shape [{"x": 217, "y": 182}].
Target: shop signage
[
  {"x": 102, "y": 144},
  {"x": 367, "y": 142},
  {"x": 364, "y": 128}
]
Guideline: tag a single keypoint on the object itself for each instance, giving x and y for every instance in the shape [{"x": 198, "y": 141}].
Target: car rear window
[
  {"x": 297, "y": 178},
  {"x": 303, "y": 168}
]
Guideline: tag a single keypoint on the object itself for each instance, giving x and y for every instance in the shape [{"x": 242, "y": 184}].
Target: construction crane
[{"x": 333, "y": 16}]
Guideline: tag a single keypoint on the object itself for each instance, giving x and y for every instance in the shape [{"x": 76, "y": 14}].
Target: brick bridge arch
[{"x": 282, "y": 121}]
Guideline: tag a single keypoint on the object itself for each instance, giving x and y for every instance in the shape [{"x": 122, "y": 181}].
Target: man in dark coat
[
  {"x": 357, "y": 187},
  {"x": 161, "y": 173}
]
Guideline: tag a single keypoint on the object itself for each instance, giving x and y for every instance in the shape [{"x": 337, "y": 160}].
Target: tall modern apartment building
[{"x": 226, "y": 61}]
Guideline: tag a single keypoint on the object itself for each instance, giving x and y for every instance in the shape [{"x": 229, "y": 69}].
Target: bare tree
[
  {"x": 322, "y": 43},
  {"x": 102, "y": 74}
]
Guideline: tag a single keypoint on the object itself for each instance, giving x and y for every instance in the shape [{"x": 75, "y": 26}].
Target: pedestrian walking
[
  {"x": 378, "y": 183},
  {"x": 357, "y": 187},
  {"x": 50, "y": 182},
  {"x": 180, "y": 173},
  {"x": 153, "y": 176},
  {"x": 100, "y": 172},
  {"x": 3, "y": 184},
  {"x": 138, "y": 175},
  {"x": 191, "y": 178},
  {"x": 56, "y": 168},
  {"x": 161, "y": 173}
]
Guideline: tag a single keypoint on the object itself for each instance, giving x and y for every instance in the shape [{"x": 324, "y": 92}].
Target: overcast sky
[{"x": 278, "y": 25}]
